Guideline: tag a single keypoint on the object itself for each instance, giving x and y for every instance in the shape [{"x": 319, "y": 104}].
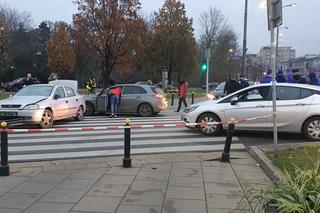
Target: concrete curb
[
  {"x": 266, "y": 165},
  {"x": 274, "y": 173}
]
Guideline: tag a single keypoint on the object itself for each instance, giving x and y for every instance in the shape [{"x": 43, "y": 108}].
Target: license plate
[{"x": 7, "y": 114}]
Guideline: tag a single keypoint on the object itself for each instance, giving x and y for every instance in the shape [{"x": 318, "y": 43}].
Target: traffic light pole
[
  {"x": 207, "y": 81},
  {"x": 274, "y": 89}
]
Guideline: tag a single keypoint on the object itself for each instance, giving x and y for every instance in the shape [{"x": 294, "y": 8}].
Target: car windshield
[{"x": 35, "y": 91}]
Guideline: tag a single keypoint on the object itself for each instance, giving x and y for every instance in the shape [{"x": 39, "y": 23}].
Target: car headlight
[
  {"x": 32, "y": 107},
  {"x": 190, "y": 109}
]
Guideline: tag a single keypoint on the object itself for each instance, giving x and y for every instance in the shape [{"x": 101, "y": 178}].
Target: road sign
[{"x": 274, "y": 13}]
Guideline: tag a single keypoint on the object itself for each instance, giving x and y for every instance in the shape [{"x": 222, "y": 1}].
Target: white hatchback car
[
  {"x": 298, "y": 110},
  {"x": 43, "y": 104}
]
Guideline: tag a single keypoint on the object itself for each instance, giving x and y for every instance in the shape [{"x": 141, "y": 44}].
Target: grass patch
[
  {"x": 3, "y": 95},
  {"x": 301, "y": 157}
]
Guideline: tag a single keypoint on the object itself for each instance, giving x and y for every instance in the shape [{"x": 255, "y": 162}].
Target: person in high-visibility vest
[{"x": 91, "y": 86}]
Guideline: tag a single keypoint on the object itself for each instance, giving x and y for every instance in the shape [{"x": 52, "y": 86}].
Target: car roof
[{"x": 139, "y": 85}]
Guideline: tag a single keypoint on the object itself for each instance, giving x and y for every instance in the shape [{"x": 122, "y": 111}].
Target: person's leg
[
  {"x": 184, "y": 102},
  {"x": 112, "y": 104},
  {"x": 179, "y": 104},
  {"x": 116, "y": 104}
]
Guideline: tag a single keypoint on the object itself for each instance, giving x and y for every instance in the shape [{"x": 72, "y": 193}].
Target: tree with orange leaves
[
  {"x": 61, "y": 57},
  {"x": 110, "y": 28}
]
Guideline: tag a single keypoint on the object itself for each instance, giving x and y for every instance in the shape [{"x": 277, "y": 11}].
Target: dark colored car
[{"x": 17, "y": 84}]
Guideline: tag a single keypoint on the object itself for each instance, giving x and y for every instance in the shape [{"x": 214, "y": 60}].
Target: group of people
[
  {"x": 232, "y": 85},
  {"x": 293, "y": 77}
]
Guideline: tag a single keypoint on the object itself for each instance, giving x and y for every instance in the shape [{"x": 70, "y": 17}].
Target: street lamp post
[
  {"x": 277, "y": 36},
  {"x": 244, "y": 50}
]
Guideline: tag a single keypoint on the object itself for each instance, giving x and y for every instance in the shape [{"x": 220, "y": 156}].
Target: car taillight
[{"x": 158, "y": 96}]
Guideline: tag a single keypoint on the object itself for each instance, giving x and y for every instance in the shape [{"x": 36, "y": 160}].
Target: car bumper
[
  {"x": 161, "y": 106},
  {"x": 27, "y": 116},
  {"x": 189, "y": 117}
]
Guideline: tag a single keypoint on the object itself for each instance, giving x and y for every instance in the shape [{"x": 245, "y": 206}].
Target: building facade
[
  {"x": 305, "y": 64},
  {"x": 284, "y": 54}
]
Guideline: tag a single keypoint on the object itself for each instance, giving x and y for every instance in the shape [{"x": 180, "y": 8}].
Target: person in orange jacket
[{"x": 183, "y": 92}]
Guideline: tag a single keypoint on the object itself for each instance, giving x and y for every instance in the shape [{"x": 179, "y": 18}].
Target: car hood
[{"x": 22, "y": 100}]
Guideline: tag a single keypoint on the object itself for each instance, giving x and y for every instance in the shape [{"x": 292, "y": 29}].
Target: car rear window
[{"x": 156, "y": 90}]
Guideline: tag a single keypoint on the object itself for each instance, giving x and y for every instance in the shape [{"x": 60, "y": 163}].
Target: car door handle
[
  {"x": 300, "y": 104},
  {"x": 260, "y": 106},
  {"x": 76, "y": 99},
  {"x": 67, "y": 101}
]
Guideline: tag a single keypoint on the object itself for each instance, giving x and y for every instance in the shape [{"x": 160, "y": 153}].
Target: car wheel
[
  {"x": 89, "y": 109},
  {"x": 311, "y": 128},
  {"x": 80, "y": 114},
  {"x": 212, "y": 129},
  {"x": 145, "y": 110},
  {"x": 47, "y": 119}
]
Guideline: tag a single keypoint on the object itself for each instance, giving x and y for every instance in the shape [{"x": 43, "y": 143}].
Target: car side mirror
[
  {"x": 56, "y": 97},
  {"x": 234, "y": 100}
]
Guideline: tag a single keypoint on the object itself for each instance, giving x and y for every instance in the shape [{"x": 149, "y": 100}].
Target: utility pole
[
  {"x": 244, "y": 50},
  {"x": 208, "y": 55}
]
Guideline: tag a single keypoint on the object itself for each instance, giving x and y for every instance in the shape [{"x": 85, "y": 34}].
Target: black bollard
[
  {"x": 127, "y": 159},
  {"x": 172, "y": 98},
  {"x": 226, "y": 152},
  {"x": 192, "y": 98},
  {"x": 4, "y": 168}
]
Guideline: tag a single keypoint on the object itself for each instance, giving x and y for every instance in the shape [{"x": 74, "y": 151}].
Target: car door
[
  {"x": 131, "y": 98},
  {"x": 73, "y": 101},
  {"x": 293, "y": 104},
  {"x": 251, "y": 103},
  {"x": 102, "y": 101},
  {"x": 60, "y": 103}
]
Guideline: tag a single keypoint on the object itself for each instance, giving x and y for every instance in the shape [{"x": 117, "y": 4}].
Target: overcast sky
[{"x": 303, "y": 20}]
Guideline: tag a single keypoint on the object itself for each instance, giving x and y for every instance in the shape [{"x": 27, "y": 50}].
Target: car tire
[
  {"x": 212, "y": 129},
  {"x": 145, "y": 110},
  {"x": 89, "y": 109},
  {"x": 311, "y": 128},
  {"x": 46, "y": 119},
  {"x": 80, "y": 114}
]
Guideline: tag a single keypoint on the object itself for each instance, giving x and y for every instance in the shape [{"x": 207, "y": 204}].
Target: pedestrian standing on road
[
  {"x": 267, "y": 78},
  {"x": 280, "y": 78},
  {"x": 297, "y": 78},
  {"x": 232, "y": 85},
  {"x": 313, "y": 80},
  {"x": 115, "y": 94},
  {"x": 243, "y": 83},
  {"x": 183, "y": 92}
]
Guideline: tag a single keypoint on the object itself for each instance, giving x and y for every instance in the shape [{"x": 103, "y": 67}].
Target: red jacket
[
  {"x": 116, "y": 91},
  {"x": 183, "y": 89}
]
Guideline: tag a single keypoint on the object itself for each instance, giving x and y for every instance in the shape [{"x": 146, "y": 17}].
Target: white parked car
[
  {"x": 43, "y": 104},
  {"x": 298, "y": 110}
]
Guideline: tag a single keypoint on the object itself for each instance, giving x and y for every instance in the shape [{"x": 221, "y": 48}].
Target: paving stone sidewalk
[{"x": 168, "y": 183}]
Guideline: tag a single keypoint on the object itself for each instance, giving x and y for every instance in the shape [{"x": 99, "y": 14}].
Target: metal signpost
[
  {"x": 274, "y": 20},
  {"x": 208, "y": 55}
]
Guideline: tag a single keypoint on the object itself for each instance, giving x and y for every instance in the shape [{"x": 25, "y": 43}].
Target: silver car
[
  {"x": 43, "y": 104},
  {"x": 143, "y": 99},
  {"x": 298, "y": 110}
]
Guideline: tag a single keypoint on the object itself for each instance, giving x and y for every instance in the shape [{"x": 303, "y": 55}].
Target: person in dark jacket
[
  {"x": 280, "y": 78},
  {"x": 232, "y": 85},
  {"x": 243, "y": 83},
  {"x": 299, "y": 79},
  {"x": 267, "y": 78},
  {"x": 28, "y": 81},
  {"x": 313, "y": 79}
]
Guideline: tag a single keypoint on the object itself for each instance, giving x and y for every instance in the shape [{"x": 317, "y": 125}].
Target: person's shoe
[
  {"x": 176, "y": 111},
  {"x": 112, "y": 115},
  {"x": 115, "y": 116}
]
